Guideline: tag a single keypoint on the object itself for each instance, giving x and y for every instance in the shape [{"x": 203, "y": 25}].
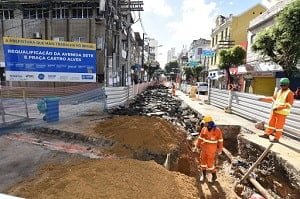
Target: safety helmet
[
  {"x": 284, "y": 81},
  {"x": 207, "y": 118}
]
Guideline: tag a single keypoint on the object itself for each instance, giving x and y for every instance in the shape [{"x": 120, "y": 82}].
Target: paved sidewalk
[{"x": 287, "y": 149}]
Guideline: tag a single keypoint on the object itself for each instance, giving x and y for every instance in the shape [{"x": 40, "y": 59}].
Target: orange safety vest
[
  {"x": 210, "y": 141},
  {"x": 281, "y": 100}
]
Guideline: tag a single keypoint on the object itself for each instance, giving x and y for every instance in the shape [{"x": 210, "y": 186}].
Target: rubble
[
  {"x": 157, "y": 101},
  {"x": 140, "y": 131}
]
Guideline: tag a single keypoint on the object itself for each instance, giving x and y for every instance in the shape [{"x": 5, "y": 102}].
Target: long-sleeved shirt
[{"x": 210, "y": 141}]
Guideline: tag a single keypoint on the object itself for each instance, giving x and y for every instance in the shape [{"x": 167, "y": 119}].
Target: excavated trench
[{"x": 273, "y": 173}]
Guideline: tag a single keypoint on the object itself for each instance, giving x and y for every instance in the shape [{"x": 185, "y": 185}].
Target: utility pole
[
  {"x": 127, "y": 7},
  {"x": 143, "y": 49}
]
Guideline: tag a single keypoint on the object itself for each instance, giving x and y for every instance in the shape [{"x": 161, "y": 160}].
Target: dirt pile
[
  {"x": 107, "y": 179},
  {"x": 139, "y": 136}
]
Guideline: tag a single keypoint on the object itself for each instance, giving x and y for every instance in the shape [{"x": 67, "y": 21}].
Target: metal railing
[
  {"x": 248, "y": 106},
  {"x": 119, "y": 96},
  {"x": 20, "y": 104}
]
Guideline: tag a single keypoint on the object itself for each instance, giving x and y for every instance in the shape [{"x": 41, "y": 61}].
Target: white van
[{"x": 202, "y": 87}]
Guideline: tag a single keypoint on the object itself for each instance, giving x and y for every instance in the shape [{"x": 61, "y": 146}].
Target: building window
[
  {"x": 60, "y": 11},
  {"x": 226, "y": 33},
  {"x": 215, "y": 59},
  {"x": 81, "y": 11},
  {"x": 78, "y": 39},
  {"x": 58, "y": 39},
  {"x": 35, "y": 12},
  {"x": 6, "y": 13}
]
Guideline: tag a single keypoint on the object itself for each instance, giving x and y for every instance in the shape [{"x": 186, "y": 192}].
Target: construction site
[{"x": 144, "y": 149}]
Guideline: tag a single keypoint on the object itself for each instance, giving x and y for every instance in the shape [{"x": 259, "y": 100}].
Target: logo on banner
[
  {"x": 87, "y": 77},
  {"x": 29, "y": 77},
  {"x": 15, "y": 77},
  {"x": 51, "y": 77},
  {"x": 41, "y": 76}
]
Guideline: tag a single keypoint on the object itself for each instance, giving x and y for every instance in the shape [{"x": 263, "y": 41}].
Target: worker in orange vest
[
  {"x": 282, "y": 104},
  {"x": 210, "y": 143}
]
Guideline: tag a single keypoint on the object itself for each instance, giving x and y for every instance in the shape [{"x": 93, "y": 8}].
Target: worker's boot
[
  {"x": 264, "y": 136},
  {"x": 214, "y": 177},
  {"x": 203, "y": 176}
]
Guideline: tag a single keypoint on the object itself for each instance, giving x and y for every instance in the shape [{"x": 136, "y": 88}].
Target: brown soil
[
  {"x": 136, "y": 137},
  {"x": 138, "y": 134},
  {"x": 108, "y": 179}
]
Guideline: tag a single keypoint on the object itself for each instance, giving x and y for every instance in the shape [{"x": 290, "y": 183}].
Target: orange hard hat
[{"x": 207, "y": 118}]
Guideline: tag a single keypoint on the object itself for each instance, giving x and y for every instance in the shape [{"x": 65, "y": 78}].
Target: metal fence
[
  {"x": 19, "y": 104},
  {"x": 248, "y": 106},
  {"x": 118, "y": 96},
  {"x": 218, "y": 98}
]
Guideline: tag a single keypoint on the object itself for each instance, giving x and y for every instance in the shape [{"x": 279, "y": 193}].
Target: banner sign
[
  {"x": 208, "y": 53},
  {"x": 47, "y": 60}
]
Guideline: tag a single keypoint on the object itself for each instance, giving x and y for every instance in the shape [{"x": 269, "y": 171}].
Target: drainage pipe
[{"x": 260, "y": 188}]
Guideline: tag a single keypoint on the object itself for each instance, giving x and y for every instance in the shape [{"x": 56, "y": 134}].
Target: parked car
[{"x": 202, "y": 87}]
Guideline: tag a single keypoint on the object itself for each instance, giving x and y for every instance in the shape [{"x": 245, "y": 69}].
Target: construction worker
[
  {"x": 173, "y": 89},
  {"x": 210, "y": 143},
  {"x": 282, "y": 104}
]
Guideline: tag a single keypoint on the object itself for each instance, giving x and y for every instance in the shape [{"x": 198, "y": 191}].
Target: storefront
[
  {"x": 259, "y": 78},
  {"x": 260, "y": 83}
]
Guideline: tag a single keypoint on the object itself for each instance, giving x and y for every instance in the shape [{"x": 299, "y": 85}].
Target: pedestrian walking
[
  {"x": 210, "y": 144},
  {"x": 282, "y": 104}
]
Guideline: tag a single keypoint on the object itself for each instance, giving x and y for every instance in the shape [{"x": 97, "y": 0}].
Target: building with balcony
[
  {"x": 196, "y": 49},
  {"x": 259, "y": 70},
  {"x": 230, "y": 31}
]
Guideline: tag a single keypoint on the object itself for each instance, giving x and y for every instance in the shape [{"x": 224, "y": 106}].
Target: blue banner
[
  {"x": 208, "y": 53},
  {"x": 43, "y": 60}
]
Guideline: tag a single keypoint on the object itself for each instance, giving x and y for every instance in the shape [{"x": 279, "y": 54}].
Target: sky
[{"x": 175, "y": 23}]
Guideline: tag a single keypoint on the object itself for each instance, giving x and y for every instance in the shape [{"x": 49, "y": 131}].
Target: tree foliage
[
  {"x": 172, "y": 67},
  {"x": 158, "y": 72},
  {"x": 192, "y": 72},
  {"x": 152, "y": 69},
  {"x": 231, "y": 58},
  {"x": 281, "y": 42},
  {"x": 188, "y": 73}
]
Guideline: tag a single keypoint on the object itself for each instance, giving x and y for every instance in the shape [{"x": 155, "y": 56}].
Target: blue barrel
[{"x": 52, "y": 112}]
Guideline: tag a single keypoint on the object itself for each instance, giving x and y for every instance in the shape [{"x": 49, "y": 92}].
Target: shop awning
[
  {"x": 215, "y": 77},
  {"x": 258, "y": 67}
]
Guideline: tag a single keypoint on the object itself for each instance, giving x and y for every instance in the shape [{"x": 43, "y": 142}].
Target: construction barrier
[
  {"x": 248, "y": 106},
  {"x": 119, "y": 96},
  {"x": 20, "y": 104},
  {"x": 218, "y": 98},
  {"x": 193, "y": 92}
]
